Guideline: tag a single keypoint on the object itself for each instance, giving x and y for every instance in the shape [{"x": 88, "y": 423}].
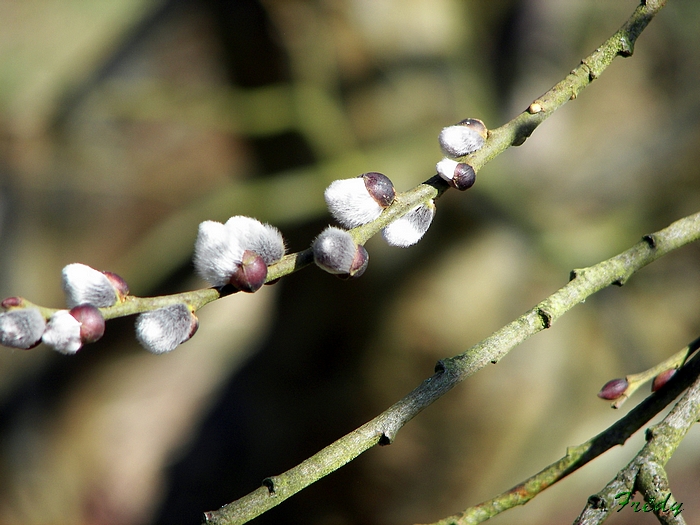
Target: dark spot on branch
[
  {"x": 650, "y": 433},
  {"x": 267, "y": 482},
  {"x": 619, "y": 282},
  {"x": 650, "y": 240},
  {"x": 596, "y": 502},
  {"x": 545, "y": 316},
  {"x": 626, "y": 47},
  {"x": 440, "y": 367},
  {"x": 385, "y": 440}
]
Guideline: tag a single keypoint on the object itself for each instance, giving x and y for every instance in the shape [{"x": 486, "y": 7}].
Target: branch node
[
  {"x": 573, "y": 274},
  {"x": 650, "y": 433},
  {"x": 545, "y": 316},
  {"x": 592, "y": 75},
  {"x": 650, "y": 240},
  {"x": 596, "y": 502},
  {"x": 535, "y": 107},
  {"x": 269, "y": 483},
  {"x": 385, "y": 440},
  {"x": 440, "y": 366},
  {"x": 626, "y": 47},
  {"x": 620, "y": 282}
]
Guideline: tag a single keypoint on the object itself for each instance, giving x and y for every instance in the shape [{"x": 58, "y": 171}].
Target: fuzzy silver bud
[
  {"x": 409, "y": 229},
  {"x": 85, "y": 285},
  {"x": 263, "y": 239},
  {"x": 336, "y": 252},
  {"x": 463, "y": 138},
  {"x": 21, "y": 328},
  {"x": 354, "y": 202},
  {"x": 63, "y": 333},
  {"x": 162, "y": 330}
]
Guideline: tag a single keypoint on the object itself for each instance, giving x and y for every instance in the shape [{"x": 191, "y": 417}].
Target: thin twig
[
  {"x": 576, "y": 457},
  {"x": 645, "y": 472}
]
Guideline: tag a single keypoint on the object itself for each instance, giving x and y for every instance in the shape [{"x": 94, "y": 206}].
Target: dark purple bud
[
  {"x": 92, "y": 324},
  {"x": 613, "y": 389},
  {"x": 250, "y": 273},
  {"x": 464, "y": 177},
  {"x": 380, "y": 187},
  {"x": 119, "y": 284},
  {"x": 662, "y": 379}
]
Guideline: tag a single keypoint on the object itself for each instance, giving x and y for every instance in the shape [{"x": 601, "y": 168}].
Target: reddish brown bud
[
  {"x": 380, "y": 187},
  {"x": 92, "y": 324},
  {"x": 476, "y": 125},
  {"x": 359, "y": 264},
  {"x": 119, "y": 284},
  {"x": 662, "y": 379},
  {"x": 613, "y": 389},
  {"x": 250, "y": 273},
  {"x": 12, "y": 302}
]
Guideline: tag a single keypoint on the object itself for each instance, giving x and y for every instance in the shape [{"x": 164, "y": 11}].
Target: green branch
[
  {"x": 450, "y": 372},
  {"x": 514, "y": 133}
]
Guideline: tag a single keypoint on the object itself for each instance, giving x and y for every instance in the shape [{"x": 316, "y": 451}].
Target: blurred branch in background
[{"x": 124, "y": 125}]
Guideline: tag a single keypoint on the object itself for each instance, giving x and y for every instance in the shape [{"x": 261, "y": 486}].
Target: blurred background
[{"x": 123, "y": 124}]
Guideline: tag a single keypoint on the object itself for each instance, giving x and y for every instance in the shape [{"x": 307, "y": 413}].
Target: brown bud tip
[
  {"x": 12, "y": 302},
  {"x": 477, "y": 125},
  {"x": 360, "y": 262},
  {"x": 194, "y": 326},
  {"x": 250, "y": 274},
  {"x": 613, "y": 389},
  {"x": 464, "y": 177},
  {"x": 662, "y": 379},
  {"x": 92, "y": 324},
  {"x": 119, "y": 284},
  {"x": 380, "y": 187}
]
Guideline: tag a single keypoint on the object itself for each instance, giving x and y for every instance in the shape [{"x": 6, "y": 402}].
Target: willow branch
[
  {"x": 645, "y": 472},
  {"x": 514, "y": 133},
  {"x": 576, "y": 457},
  {"x": 450, "y": 372}
]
